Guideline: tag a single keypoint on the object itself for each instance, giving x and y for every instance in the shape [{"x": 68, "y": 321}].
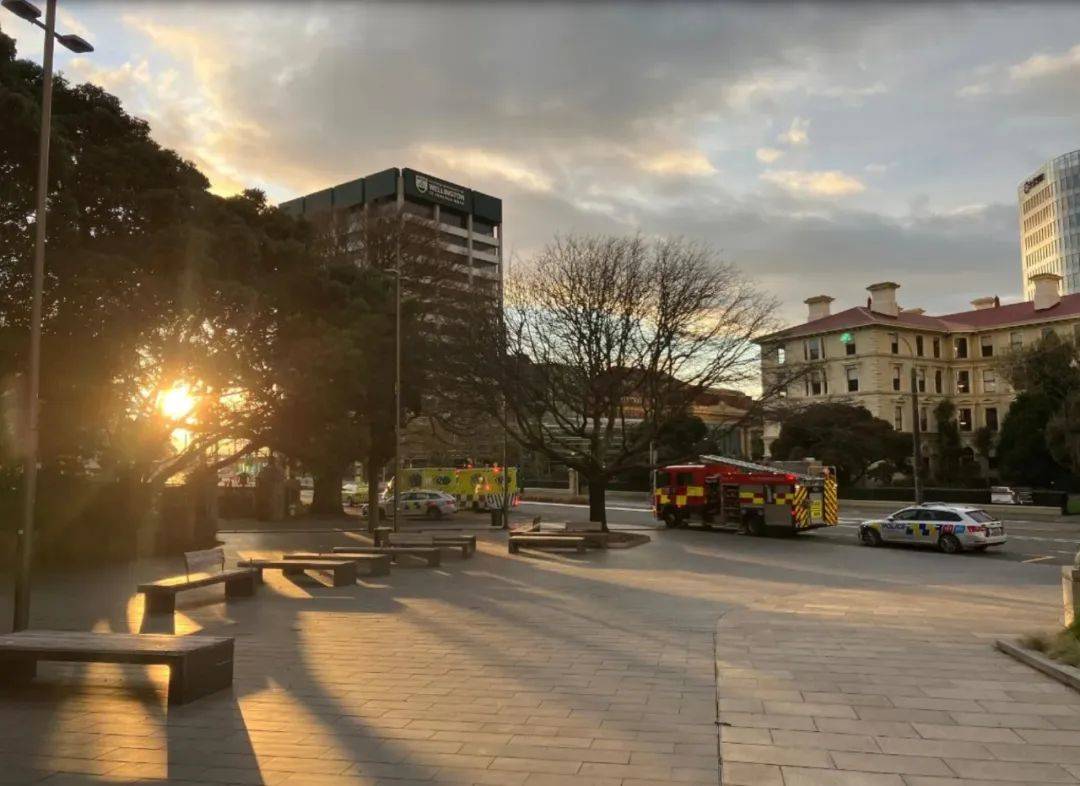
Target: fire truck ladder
[{"x": 750, "y": 466}]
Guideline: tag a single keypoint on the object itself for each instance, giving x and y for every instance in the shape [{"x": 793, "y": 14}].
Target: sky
[{"x": 821, "y": 148}]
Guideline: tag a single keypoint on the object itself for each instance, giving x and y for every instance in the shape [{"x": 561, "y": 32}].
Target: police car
[
  {"x": 424, "y": 503},
  {"x": 952, "y": 528}
]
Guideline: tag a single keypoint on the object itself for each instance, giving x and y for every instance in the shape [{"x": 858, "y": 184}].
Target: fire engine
[{"x": 726, "y": 493}]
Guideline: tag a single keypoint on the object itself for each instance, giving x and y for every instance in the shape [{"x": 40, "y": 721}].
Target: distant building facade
[
  {"x": 864, "y": 355},
  {"x": 1050, "y": 223}
]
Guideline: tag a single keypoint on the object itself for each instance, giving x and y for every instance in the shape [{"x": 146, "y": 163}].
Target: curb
[{"x": 1063, "y": 673}]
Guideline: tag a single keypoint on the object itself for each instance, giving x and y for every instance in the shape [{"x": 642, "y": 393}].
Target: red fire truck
[{"x": 725, "y": 493}]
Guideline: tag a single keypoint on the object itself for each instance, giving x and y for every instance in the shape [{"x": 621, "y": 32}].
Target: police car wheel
[
  {"x": 672, "y": 519},
  {"x": 870, "y": 537},
  {"x": 434, "y": 513},
  {"x": 950, "y": 544}
]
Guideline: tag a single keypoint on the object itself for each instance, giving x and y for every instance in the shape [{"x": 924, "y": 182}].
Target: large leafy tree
[
  {"x": 1045, "y": 376},
  {"x": 847, "y": 437}
]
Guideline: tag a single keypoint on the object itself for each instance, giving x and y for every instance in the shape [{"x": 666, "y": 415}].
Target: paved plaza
[{"x": 696, "y": 657}]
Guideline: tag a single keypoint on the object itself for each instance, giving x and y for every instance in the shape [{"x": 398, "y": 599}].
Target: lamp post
[
  {"x": 397, "y": 384},
  {"x": 25, "y": 533}
]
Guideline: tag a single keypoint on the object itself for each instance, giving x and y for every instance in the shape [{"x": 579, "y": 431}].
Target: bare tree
[{"x": 603, "y": 339}]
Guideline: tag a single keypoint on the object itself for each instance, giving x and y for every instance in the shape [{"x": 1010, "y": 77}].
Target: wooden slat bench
[
  {"x": 343, "y": 570},
  {"x": 431, "y": 555},
  {"x": 198, "y": 665},
  {"x": 377, "y": 564},
  {"x": 466, "y": 543},
  {"x": 543, "y": 540},
  {"x": 203, "y": 568}
]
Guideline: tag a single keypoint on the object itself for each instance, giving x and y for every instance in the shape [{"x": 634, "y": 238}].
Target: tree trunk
[
  {"x": 326, "y": 499},
  {"x": 597, "y": 505},
  {"x": 373, "y": 468}
]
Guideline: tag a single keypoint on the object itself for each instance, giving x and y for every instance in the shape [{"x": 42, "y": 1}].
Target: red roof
[{"x": 961, "y": 321}]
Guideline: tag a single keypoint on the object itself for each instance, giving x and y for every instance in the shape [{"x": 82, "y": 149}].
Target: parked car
[
  {"x": 951, "y": 528},
  {"x": 1007, "y": 495},
  {"x": 350, "y": 494},
  {"x": 421, "y": 503}
]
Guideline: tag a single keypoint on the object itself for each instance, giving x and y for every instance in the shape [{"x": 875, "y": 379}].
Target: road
[{"x": 1030, "y": 542}]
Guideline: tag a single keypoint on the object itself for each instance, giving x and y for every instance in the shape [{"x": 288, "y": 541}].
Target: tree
[
  {"x": 1063, "y": 434},
  {"x": 841, "y": 435},
  {"x": 949, "y": 449},
  {"x": 1045, "y": 376},
  {"x": 604, "y": 339},
  {"x": 1023, "y": 456}
]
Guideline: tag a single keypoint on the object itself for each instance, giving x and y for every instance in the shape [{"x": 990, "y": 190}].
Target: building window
[
  {"x": 937, "y": 380},
  {"x": 965, "y": 418},
  {"x": 963, "y": 382},
  {"x": 919, "y": 346},
  {"x": 1016, "y": 341},
  {"x": 812, "y": 349},
  {"x": 989, "y": 381},
  {"x": 1076, "y": 333},
  {"x": 894, "y": 343},
  {"x": 1046, "y": 331},
  {"x": 924, "y": 420},
  {"x": 991, "y": 418},
  {"x": 850, "y": 347},
  {"x": 781, "y": 354},
  {"x": 986, "y": 345},
  {"x": 896, "y": 377},
  {"x": 961, "y": 348},
  {"x": 898, "y": 418},
  {"x": 937, "y": 348},
  {"x": 920, "y": 377},
  {"x": 852, "y": 379},
  {"x": 815, "y": 384}
]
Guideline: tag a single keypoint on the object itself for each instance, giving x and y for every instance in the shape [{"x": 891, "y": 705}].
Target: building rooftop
[{"x": 958, "y": 322}]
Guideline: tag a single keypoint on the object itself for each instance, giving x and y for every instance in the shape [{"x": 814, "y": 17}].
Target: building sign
[
  {"x": 1030, "y": 184},
  {"x": 435, "y": 190}
]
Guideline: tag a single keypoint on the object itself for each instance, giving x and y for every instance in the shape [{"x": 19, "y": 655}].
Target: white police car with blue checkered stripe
[{"x": 951, "y": 528}]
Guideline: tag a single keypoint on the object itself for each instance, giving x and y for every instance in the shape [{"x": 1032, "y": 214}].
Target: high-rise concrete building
[
  {"x": 469, "y": 222},
  {"x": 1050, "y": 223}
]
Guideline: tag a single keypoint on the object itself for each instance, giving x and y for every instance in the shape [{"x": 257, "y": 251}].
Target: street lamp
[{"x": 25, "y": 534}]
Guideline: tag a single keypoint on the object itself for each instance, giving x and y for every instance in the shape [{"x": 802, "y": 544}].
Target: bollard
[{"x": 1070, "y": 590}]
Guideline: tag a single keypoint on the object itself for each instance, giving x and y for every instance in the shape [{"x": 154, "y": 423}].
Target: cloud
[
  {"x": 831, "y": 183},
  {"x": 796, "y": 133},
  {"x": 768, "y": 155},
  {"x": 466, "y": 163},
  {"x": 1040, "y": 65},
  {"x": 678, "y": 162}
]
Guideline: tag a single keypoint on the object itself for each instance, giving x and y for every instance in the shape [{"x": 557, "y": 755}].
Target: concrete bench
[
  {"x": 377, "y": 564},
  {"x": 198, "y": 665},
  {"x": 539, "y": 540},
  {"x": 202, "y": 569},
  {"x": 343, "y": 570},
  {"x": 431, "y": 555}
]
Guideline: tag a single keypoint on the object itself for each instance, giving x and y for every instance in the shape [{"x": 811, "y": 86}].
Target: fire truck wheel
[
  {"x": 672, "y": 519},
  {"x": 755, "y": 525}
]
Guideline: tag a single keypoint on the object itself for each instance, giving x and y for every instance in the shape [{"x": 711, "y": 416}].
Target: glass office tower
[{"x": 1050, "y": 223}]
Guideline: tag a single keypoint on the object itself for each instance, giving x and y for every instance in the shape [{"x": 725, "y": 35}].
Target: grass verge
[{"x": 1063, "y": 646}]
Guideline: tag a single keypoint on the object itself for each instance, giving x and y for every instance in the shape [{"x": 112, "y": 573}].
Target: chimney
[
  {"x": 983, "y": 303},
  {"x": 818, "y": 307},
  {"x": 883, "y": 298},
  {"x": 1047, "y": 290}
]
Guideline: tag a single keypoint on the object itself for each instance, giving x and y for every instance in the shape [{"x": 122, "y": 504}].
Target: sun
[{"x": 177, "y": 403}]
